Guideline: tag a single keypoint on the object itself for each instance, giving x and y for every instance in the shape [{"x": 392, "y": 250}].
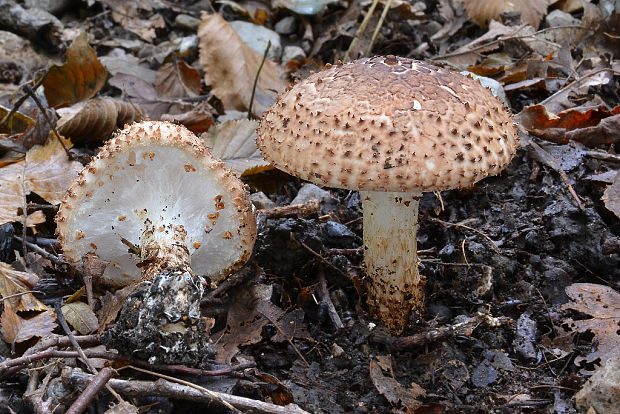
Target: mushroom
[
  {"x": 392, "y": 128},
  {"x": 154, "y": 185}
]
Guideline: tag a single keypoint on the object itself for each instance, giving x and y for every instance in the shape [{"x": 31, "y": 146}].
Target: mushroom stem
[
  {"x": 163, "y": 248},
  {"x": 395, "y": 287}
]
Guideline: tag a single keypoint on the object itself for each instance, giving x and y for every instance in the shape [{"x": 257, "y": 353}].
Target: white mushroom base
[{"x": 395, "y": 287}]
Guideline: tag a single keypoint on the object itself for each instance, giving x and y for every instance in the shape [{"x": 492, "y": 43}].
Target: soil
[{"x": 496, "y": 258}]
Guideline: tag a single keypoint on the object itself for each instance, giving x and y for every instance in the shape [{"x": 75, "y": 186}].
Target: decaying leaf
[
  {"x": 81, "y": 317},
  {"x": 16, "y": 329},
  {"x": 14, "y": 283},
  {"x": 397, "y": 394},
  {"x": 244, "y": 324},
  {"x": 94, "y": 120},
  {"x": 603, "y": 304},
  {"x": 111, "y": 305},
  {"x": 589, "y": 126},
  {"x": 198, "y": 120},
  {"x": 611, "y": 197},
  {"x": 483, "y": 11},
  {"x": 231, "y": 67},
  {"x": 234, "y": 142},
  {"x": 177, "y": 80},
  {"x": 46, "y": 171},
  {"x": 80, "y": 78}
]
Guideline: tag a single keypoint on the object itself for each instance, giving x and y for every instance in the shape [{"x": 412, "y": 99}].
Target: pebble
[
  {"x": 602, "y": 391},
  {"x": 186, "y": 22},
  {"x": 525, "y": 339},
  {"x": 286, "y": 26},
  {"x": 293, "y": 53},
  {"x": 261, "y": 201},
  {"x": 310, "y": 192}
]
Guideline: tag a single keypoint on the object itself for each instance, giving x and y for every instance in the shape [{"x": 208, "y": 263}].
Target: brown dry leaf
[
  {"x": 230, "y": 67},
  {"x": 123, "y": 407},
  {"x": 198, "y": 120},
  {"x": 244, "y": 324},
  {"x": 611, "y": 197},
  {"x": 603, "y": 304},
  {"x": 93, "y": 121},
  {"x": 483, "y": 11},
  {"x": 588, "y": 126},
  {"x": 80, "y": 78},
  {"x": 111, "y": 305},
  {"x": 13, "y": 282},
  {"x": 177, "y": 80},
  {"x": 397, "y": 394},
  {"x": 81, "y": 317},
  {"x": 234, "y": 142},
  {"x": 48, "y": 172},
  {"x": 16, "y": 329}
]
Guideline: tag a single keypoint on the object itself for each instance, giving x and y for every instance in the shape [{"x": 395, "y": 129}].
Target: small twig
[
  {"x": 21, "y": 100},
  {"x": 168, "y": 389},
  {"x": 63, "y": 323},
  {"x": 360, "y": 30},
  {"x": 20, "y": 294},
  {"x": 327, "y": 301},
  {"x": 52, "y": 126},
  {"x": 432, "y": 335},
  {"x": 25, "y": 210},
  {"x": 605, "y": 156},
  {"x": 260, "y": 68},
  {"x": 550, "y": 161},
  {"x": 95, "y": 385},
  {"x": 463, "y": 226},
  {"x": 386, "y": 8},
  {"x": 212, "y": 394},
  {"x": 234, "y": 280},
  {"x": 293, "y": 210},
  {"x": 321, "y": 258},
  {"x": 49, "y": 256}
]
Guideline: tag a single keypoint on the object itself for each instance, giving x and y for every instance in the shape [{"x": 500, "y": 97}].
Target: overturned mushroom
[
  {"x": 154, "y": 185},
  {"x": 391, "y": 127},
  {"x": 158, "y": 207}
]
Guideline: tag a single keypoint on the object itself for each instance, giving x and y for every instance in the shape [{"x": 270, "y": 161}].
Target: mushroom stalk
[
  {"x": 163, "y": 247},
  {"x": 395, "y": 287}
]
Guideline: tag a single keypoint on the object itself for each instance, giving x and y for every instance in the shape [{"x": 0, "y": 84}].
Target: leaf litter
[{"x": 553, "y": 214}]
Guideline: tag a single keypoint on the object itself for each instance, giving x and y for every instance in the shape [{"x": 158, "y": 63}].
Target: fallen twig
[
  {"x": 462, "y": 328},
  {"x": 163, "y": 388},
  {"x": 92, "y": 389},
  {"x": 327, "y": 301}
]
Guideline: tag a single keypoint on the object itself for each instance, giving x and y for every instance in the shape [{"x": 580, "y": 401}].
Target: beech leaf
[
  {"x": 81, "y": 317},
  {"x": 80, "y": 78},
  {"x": 14, "y": 283},
  {"x": 234, "y": 142},
  {"x": 230, "y": 67},
  {"x": 16, "y": 329}
]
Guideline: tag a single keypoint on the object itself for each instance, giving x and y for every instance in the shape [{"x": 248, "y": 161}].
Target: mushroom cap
[
  {"x": 160, "y": 173},
  {"x": 388, "y": 124}
]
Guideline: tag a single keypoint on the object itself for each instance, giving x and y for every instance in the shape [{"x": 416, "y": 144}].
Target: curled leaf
[
  {"x": 80, "y": 78},
  {"x": 482, "y": 11},
  {"x": 95, "y": 120}
]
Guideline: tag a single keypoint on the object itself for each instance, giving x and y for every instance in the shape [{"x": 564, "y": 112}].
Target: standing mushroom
[
  {"x": 392, "y": 128},
  {"x": 155, "y": 186}
]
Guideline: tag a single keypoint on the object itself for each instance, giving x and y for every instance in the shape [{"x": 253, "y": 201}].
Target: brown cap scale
[
  {"x": 393, "y": 128},
  {"x": 155, "y": 185}
]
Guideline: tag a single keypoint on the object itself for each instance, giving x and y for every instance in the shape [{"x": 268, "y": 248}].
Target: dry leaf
[
  {"x": 94, "y": 120},
  {"x": 397, "y": 394},
  {"x": 230, "y": 67},
  {"x": 198, "y": 120},
  {"x": 48, "y": 172},
  {"x": 17, "y": 329},
  {"x": 611, "y": 197},
  {"x": 483, "y": 11},
  {"x": 588, "y": 126},
  {"x": 234, "y": 142},
  {"x": 13, "y": 283},
  {"x": 177, "y": 80},
  {"x": 603, "y": 304},
  {"x": 81, "y": 317},
  {"x": 80, "y": 78}
]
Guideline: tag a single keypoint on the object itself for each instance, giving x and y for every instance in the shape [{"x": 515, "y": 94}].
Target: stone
[
  {"x": 293, "y": 53},
  {"x": 257, "y": 37},
  {"x": 286, "y": 26},
  {"x": 261, "y": 201},
  {"x": 309, "y": 192},
  {"x": 559, "y": 18},
  {"x": 186, "y": 22},
  {"x": 602, "y": 391}
]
